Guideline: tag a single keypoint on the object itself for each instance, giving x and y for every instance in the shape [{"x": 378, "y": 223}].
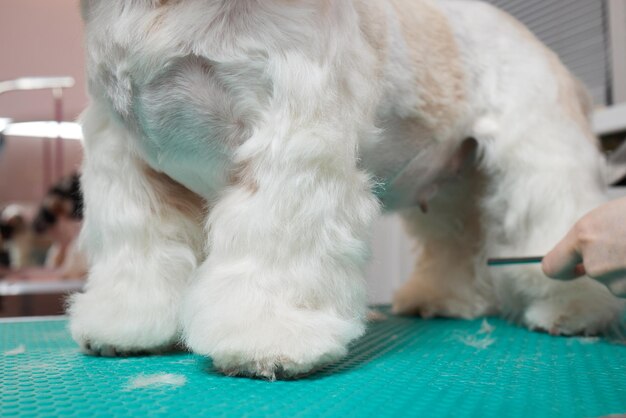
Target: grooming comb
[{"x": 513, "y": 260}]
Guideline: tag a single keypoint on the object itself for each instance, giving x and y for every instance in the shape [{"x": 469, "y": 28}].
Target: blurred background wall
[{"x": 39, "y": 38}]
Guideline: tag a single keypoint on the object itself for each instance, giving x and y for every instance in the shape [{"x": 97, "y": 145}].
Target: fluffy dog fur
[{"x": 237, "y": 152}]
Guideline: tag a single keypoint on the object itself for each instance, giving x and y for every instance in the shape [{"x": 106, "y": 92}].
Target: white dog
[{"x": 237, "y": 152}]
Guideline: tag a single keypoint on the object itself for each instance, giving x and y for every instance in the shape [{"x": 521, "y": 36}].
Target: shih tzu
[{"x": 237, "y": 152}]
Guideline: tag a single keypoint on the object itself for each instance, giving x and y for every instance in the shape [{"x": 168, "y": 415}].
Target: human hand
[{"x": 595, "y": 246}]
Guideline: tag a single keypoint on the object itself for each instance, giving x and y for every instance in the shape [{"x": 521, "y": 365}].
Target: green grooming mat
[{"x": 402, "y": 367}]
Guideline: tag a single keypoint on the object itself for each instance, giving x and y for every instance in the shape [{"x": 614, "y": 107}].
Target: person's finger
[{"x": 564, "y": 261}]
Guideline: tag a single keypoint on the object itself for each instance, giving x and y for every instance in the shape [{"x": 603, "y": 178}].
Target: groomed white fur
[
  {"x": 142, "y": 252},
  {"x": 283, "y": 118}
]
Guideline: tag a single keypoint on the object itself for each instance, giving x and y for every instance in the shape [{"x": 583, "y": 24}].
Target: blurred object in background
[
  {"x": 613, "y": 138},
  {"x": 38, "y": 148},
  {"x": 52, "y": 134},
  {"x": 60, "y": 219},
  {"x": 47, "y": 239},
  {"x": 16, "y": 237},
  {"x": 57, "y": 223},
  {"x": 39, "y": 256}
]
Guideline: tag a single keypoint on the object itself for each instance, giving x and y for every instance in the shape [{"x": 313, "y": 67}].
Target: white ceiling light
[
  {"x": 36, "y": 83},
  {"x": 65, "y": 130}
]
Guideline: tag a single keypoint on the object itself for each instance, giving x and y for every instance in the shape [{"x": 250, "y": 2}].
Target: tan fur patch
[
  {"x": 175, "y": 195},
  {"x": 242, "y": 176},
  {"x": 373, "y": 26},
  {"x": 161, "y": 3},
  {"x": 155, "y": 23},
  {"x": 162, "y": 7},
  {"x": 436, "y": 62}
]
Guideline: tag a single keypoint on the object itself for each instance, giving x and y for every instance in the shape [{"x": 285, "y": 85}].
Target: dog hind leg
[
  {"x": 446, "y": 278},
  {"x": 541, "y": 180}
]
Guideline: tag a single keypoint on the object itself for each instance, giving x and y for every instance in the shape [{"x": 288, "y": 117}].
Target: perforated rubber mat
[{"x": 402, "y": 367}]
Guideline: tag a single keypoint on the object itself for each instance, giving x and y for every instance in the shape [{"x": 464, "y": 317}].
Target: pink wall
[
  {"x": 21, "y": 170},
  {"x": 38, "y": 38},
  {"x": 41, "y": 38}
]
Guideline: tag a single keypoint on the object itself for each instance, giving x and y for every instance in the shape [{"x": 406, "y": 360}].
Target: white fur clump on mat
[
  {"x": 157, "y": 379},
  {"x": 482, "y": 339},
  {"x": 20, "y": 349}
]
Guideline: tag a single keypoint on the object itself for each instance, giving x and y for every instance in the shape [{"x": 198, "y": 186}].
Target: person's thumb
[{"x": 564, "y": 261}]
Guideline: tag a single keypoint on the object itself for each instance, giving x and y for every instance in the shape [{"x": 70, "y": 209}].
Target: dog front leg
[
  {"x": 142, "y": 233},
  {"x": 282, "y": 291}
]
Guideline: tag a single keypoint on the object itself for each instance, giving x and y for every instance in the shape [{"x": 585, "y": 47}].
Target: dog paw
[
  {"x": 94, "y": 349},
  {"x": 269, "y": 344},
  {"x": 105, "y": 350},
  {"x": 583, "y": 310},
  {"x": 273, "y": 367},
  {"x": 424, "y": 300},
  {"x": 401, "y": 306},
  {"x": 108, "y": 323}
]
